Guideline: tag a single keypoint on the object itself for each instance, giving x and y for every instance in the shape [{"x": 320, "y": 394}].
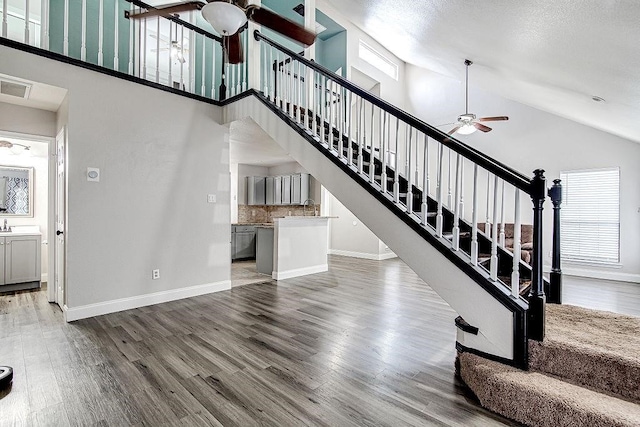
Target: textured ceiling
[{"x": 552, "y": 55}]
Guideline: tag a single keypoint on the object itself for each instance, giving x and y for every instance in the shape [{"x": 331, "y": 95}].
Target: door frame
[
  {"x": 51, "y": 190},
  {"x": 53, "y": 227}
]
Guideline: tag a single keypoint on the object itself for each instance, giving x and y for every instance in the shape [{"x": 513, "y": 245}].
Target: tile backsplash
[{"x": 265, "y": 214}]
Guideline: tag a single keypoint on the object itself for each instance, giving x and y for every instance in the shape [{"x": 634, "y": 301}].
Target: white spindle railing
[
  {"x": 5, "y": 18},
  {"x": 392, "y": 155}
]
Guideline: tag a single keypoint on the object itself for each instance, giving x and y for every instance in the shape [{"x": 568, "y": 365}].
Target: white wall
[
  {"x": 15, "y": 118},
  {"x": 534, "y": 139},
  {"x": 348, "y": 236},
  {"x": 391, "y": 90},
  {"x": 159, "y": 156}
]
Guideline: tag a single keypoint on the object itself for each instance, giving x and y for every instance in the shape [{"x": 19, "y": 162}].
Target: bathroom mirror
[{"x": 16, "y": 191}]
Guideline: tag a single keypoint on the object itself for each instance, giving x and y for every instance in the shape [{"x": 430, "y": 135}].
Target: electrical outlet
[
  {"x": 155, "y": 274},
  {"x": 211, "y": 198}
]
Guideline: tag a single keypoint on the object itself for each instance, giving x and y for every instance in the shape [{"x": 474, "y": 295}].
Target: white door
[{"x": 60, "y": 203}]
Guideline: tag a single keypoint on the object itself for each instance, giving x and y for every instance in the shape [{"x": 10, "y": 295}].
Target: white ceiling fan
[{"x": 467, "y": 123}]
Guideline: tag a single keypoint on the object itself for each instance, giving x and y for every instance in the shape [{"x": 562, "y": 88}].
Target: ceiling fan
[
  {"x": 228, "y": 16},
  {"x": 468, "y": 123}
]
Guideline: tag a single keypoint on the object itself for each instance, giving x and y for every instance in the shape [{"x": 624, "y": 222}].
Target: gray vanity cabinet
[{"x": 19, "y": 259}]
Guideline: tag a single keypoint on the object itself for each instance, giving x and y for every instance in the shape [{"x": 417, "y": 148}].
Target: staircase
[
  {"x": 407, "y": 182},
  {"x": 585, "y": 373}
]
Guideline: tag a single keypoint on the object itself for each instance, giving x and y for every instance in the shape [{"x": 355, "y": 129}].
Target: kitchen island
[{"x": 300, "y": 246}]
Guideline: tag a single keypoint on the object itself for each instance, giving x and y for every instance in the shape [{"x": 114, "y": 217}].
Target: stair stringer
[{"x": 496, "y": 322}]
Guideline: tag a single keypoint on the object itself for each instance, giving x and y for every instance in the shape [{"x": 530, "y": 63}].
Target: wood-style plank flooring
[{"x": 367, "y": 343}]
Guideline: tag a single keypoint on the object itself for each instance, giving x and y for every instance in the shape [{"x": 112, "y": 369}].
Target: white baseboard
[
  {"x": 288, "y": 274},
  {"x": 98, "y": 309},
  {"x": 603, "y": 275},
  {"x": 44, "y": 278},
  {"x": 363, "y": 255}
]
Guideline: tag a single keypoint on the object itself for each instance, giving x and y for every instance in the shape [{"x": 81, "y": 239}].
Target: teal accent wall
[
  {"x": 332, "y": 52},
  {"x": 56, "y": 31}
]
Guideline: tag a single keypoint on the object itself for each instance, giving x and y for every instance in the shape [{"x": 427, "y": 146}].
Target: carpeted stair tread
[
  {"x": 536, "y": 399},
  {"x": 598, "y": 349}
]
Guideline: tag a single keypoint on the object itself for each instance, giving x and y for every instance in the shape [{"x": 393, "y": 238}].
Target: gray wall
[
  {"x": 15, "y": 118},
  {"x": 159, "y": 156}
]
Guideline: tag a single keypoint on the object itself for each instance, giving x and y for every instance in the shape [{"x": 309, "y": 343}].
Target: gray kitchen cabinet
[
  {"x": 264, "y": 250},
  {"x": 256, "y": 190},
  {"x": 299, "y": 188},
  {"x": 243, "y": 242},
  {"x": 269, "y": 191},
  {"x": 277, "y": 190},
  {"x": 286, "y": 189}
]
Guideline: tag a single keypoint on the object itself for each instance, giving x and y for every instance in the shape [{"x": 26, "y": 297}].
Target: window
[
  {"x": 590, "y": 216},
  {"x": 373, "y": 57}
]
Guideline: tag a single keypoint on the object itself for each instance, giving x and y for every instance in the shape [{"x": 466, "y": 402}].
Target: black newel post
[
  {"x": 555, "y": 278},
  {"x": 536, "y": 312}
]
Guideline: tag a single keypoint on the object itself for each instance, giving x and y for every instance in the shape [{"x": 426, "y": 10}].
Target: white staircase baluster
[
  {"x": 372, "y": 149},
  {"x": 449, "y": 194},
  {"x": 439, "y": 216},
  {"x": 101, "y": 33},
  {"x": 424, "y": 208},
  {"x": 299, "y": 88},
  {"x": 143, "y": 58},
  {"x": 171, "y": 47},
  {"x": 384, "y": 147},
  {"x": 83, "y": 35},
  {"x": 330, "y": 113},
  {"x": 203, "y": 86},
  {"x": 5, "y": 24},
  {"x": 461, "y": 201},
  {"x": 487, "y": 224},
  {"x": 456, "y": 210},
  {"x": 323, "y": 106},
  {"x": 359, "y": 134},
  {"x": 341, "y": 129},
  {"x": 26, "y": 22},
  {"x": 474, "y": 217},
  {"x": 316, "y": 105},
  {"x": 116, "y": 25},
  {"x": 502, "y": 237},
  {"x": 515, "y": 274},
  {"x": 182, "y": 86},
  {"x": 243, "y": 87},
  {"x": 131, "y": 42},
  {"x": 409, "y": 172},
  {"x": 213, "y": 67},
  {"x": 65, "y": 29},
  {"x": 45, "y": 25},
  {"x": 278, "y": 82},
  {"x": 350, "y": 132},
  {"x": 494, "y": 233},
  {"x": 272, "y": 76},
  {"x": 396, "y": 175}
]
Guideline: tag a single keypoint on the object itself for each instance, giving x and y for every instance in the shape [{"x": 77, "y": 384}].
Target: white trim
[
  {"x": 98, "y": 309},
  {"x": 281, "y": 275},
  {"x": 45, "y": 278},
  {"x": 603, "y": 275},
  {"x": 363, "y": 255}
]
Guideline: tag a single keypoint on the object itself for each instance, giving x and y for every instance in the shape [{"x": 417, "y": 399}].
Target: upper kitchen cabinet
[
  {"x": 256, "y": 190},
  {"x": 299, "y": 188}
]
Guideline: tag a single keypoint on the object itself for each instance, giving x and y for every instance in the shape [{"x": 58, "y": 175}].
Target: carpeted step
[
  {"x": 598, "y": 349},
  {"x": 536, "y": 399}
]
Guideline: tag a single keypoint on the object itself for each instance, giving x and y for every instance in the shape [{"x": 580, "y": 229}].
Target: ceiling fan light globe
[
  {"x": 224, "y": 17},
  {"x": 467, "y": 129}
]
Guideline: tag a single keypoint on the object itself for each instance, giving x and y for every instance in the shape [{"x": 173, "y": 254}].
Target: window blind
[{"x": 590, "y": 215}]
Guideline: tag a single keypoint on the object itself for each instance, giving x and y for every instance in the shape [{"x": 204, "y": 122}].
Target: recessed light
[{"x": 597, "y": 98}]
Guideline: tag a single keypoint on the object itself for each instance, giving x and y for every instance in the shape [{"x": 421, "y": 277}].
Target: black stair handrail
[{"x": 499, "y": 169}]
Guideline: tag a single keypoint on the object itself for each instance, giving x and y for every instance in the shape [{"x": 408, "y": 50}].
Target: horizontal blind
[{"x": 590, "y": 215}]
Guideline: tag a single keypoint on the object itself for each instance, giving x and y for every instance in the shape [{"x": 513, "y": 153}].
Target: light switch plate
[
  {"x": 211, "y": 198},
  {"x": 93, "y": 174}
]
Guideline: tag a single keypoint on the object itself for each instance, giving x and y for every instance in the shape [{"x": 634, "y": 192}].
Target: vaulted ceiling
[{"x": 549, "y": 54}]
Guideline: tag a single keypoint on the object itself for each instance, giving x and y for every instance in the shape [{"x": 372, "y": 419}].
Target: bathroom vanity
[{"x": 20, "y": 266}]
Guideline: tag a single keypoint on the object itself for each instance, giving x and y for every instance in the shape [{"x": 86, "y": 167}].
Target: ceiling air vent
[{"x": 15, "y": 88}]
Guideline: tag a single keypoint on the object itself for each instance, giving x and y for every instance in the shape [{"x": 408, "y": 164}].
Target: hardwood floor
[{"x": 367, "y": 343}]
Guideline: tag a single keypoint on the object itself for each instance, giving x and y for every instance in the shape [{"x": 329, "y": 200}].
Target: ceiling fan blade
[
  {"x": 165, "y": 11},
  {"x": 446, "y": 124},
  {"x": 482, "y": 127},
  {"x": 240, "y": 3},
  {"x": 280, "y": 24},
  {"x": 454, "y": 130},
  {"x": 234, "y": 48},
  {"x": 493, "y": 119}
]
